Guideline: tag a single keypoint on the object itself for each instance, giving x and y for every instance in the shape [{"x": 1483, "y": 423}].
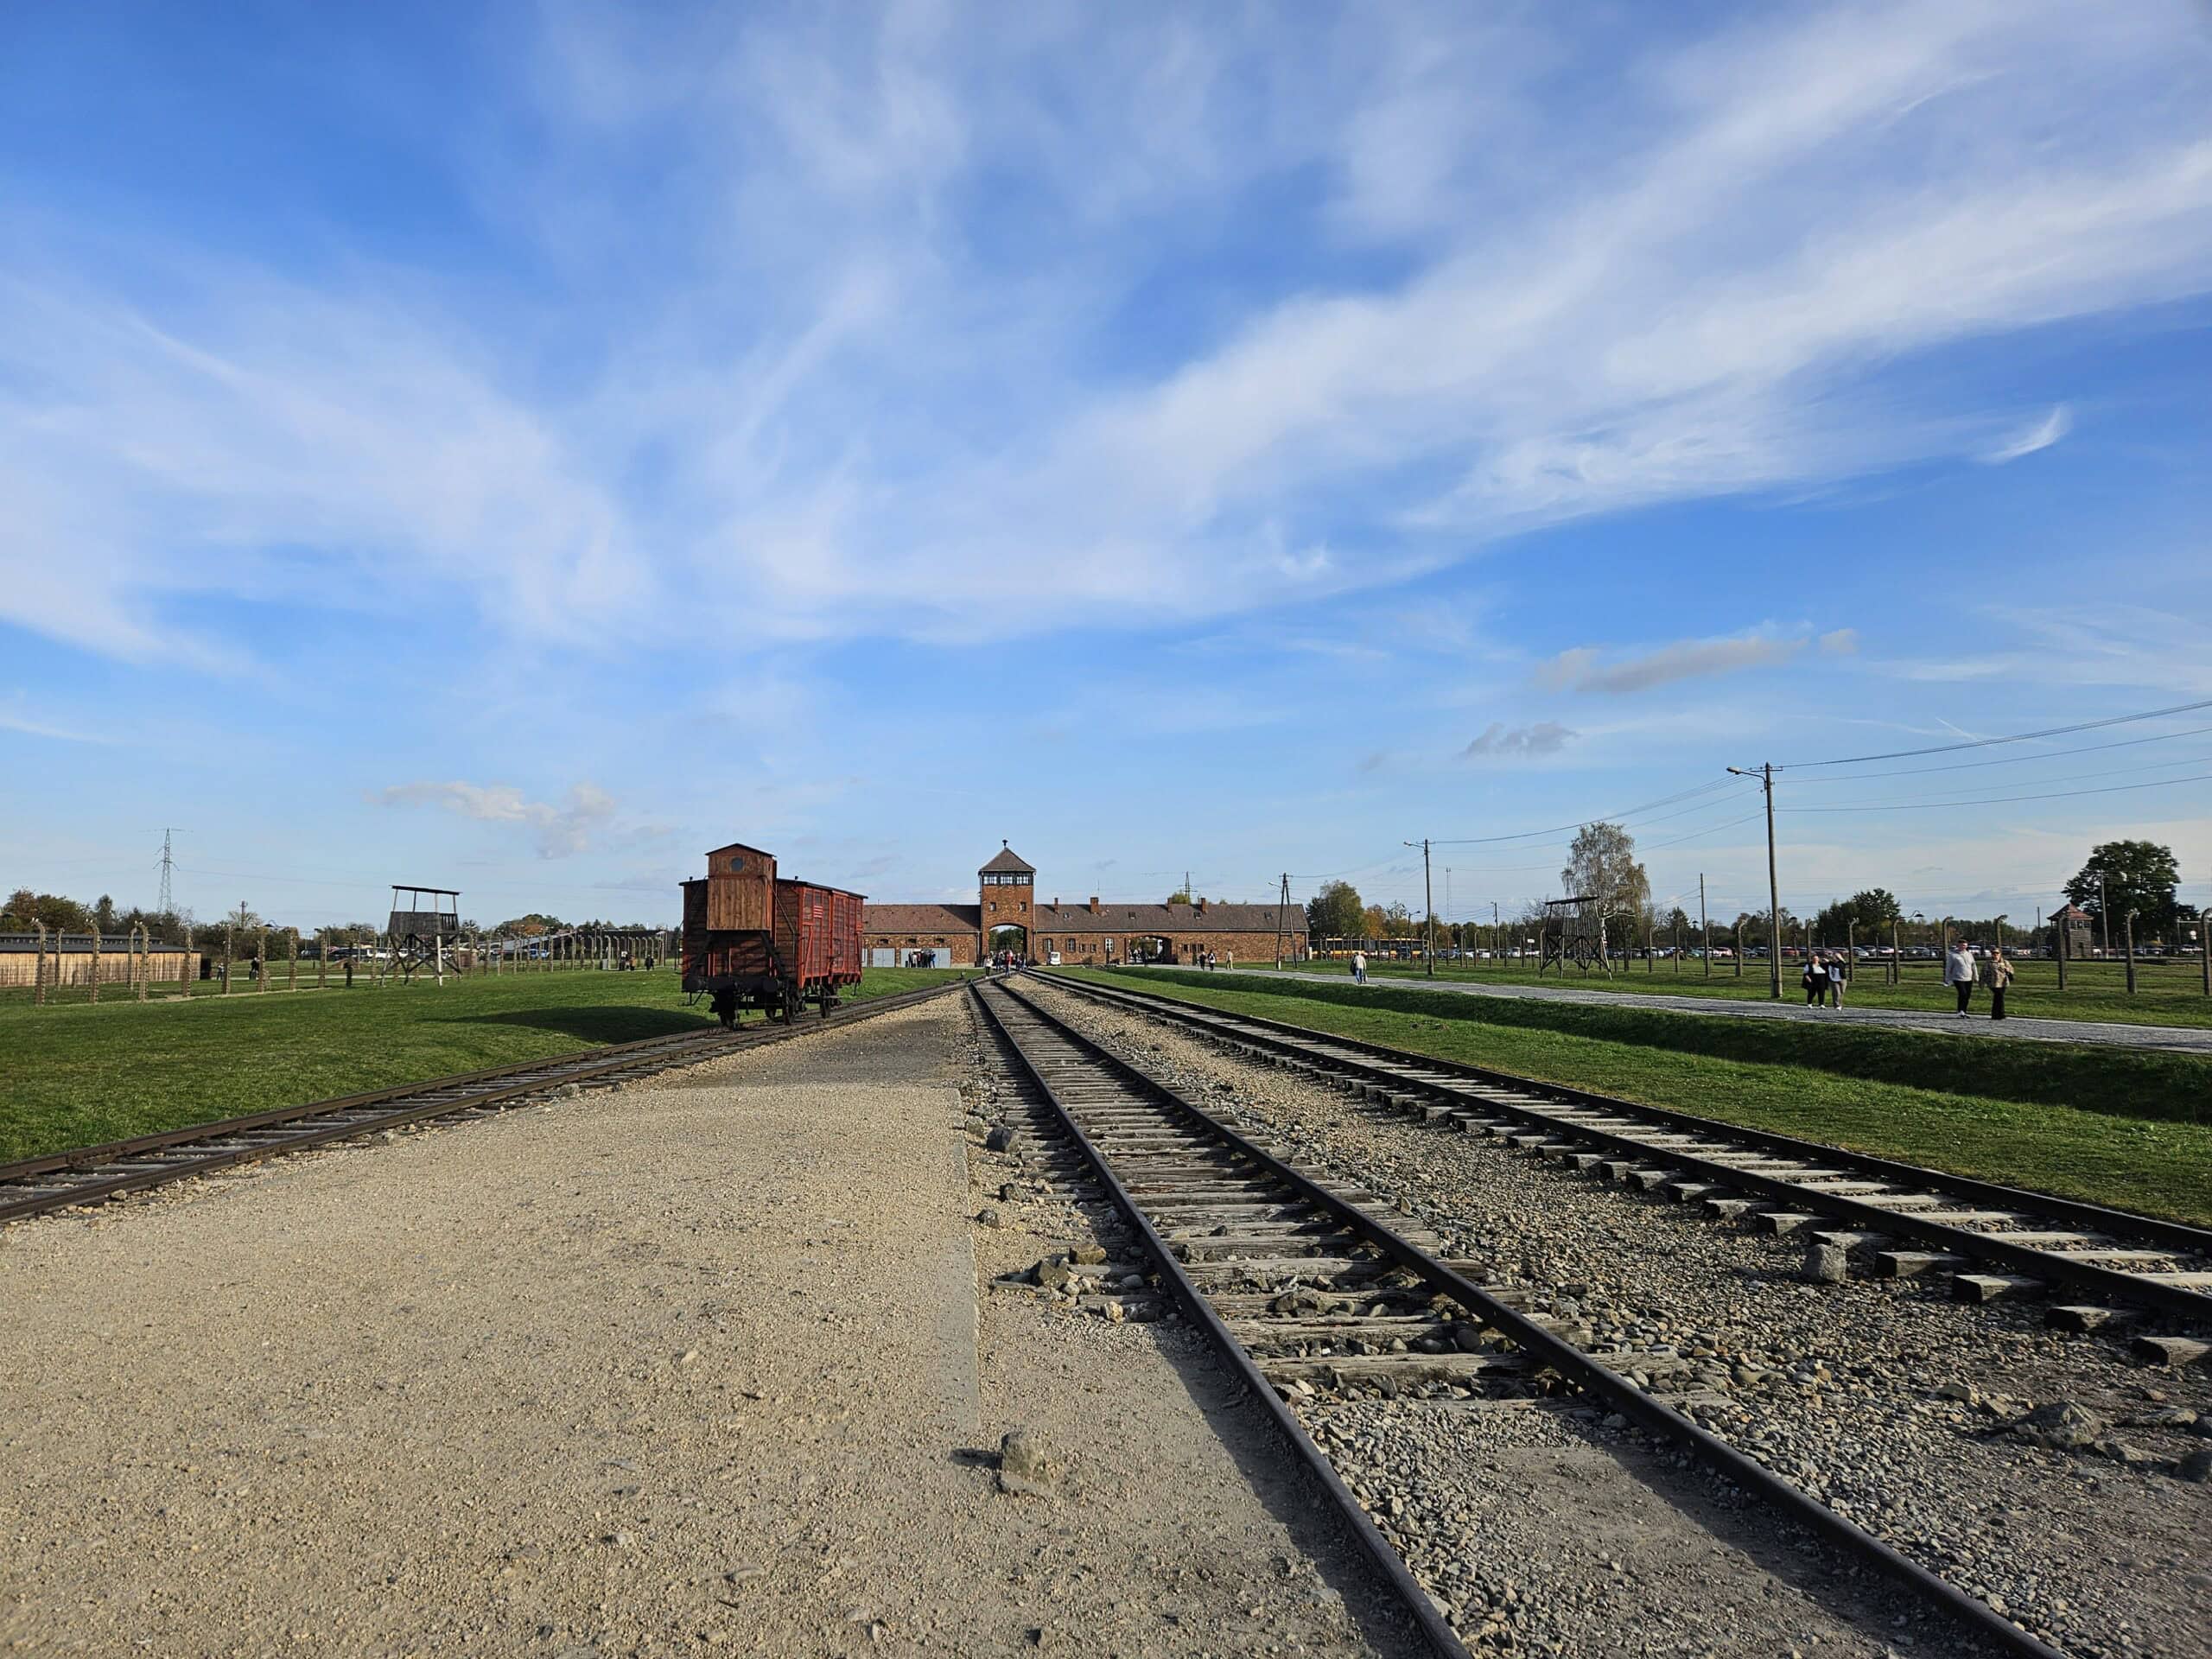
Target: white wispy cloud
[
  {"x": 557, "y": 830},
  {"x": 1545, "y": 737},
  {"x": 834, "y": 330},
  {"x": 1585, "y": 669},
  {"x": 19, "y": 717},
  {"x": 2040, "y": 436}
]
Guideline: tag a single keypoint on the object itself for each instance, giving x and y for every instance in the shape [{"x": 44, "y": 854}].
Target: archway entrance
[
  {"x": 1150, "y": 947},
  {"x": 1011, "y": 938}
]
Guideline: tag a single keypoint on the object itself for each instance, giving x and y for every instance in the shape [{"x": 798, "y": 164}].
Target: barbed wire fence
[{"x": 47, "y": 967}]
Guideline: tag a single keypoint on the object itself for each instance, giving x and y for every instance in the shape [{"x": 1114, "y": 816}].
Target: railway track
[
  {"x": 90, "y": 1174},
  {"x": 1312, "y": 1295},
  {"x": 2105, "y": 1270}
]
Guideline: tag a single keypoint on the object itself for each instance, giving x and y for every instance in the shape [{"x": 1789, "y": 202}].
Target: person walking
[
  {"x": 1839, "y": 973},
  {"x": 1997, "y": 973},
  {"x": 1959, "y": 972},
  {"x": 1815, "y": 980},
  {"x": 1359, "y": 967}
]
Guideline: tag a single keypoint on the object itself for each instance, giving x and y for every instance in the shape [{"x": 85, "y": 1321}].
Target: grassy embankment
[
  {"x": 2171, "y": 993},
  {"x": 80, "y": 1076},
  {"x": 2120, "y": 1128}
]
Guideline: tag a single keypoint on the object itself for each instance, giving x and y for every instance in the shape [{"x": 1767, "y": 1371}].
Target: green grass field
[
  {"x": 2059, "y": 1119},
  {"x": 2171, "y": 993},
  {"x": 78, "y": 1075}
]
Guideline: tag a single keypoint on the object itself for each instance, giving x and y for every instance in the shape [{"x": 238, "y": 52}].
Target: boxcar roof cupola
[{"x": 738, "y": 859}]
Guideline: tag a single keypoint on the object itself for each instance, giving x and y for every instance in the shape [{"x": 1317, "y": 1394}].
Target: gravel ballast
[
  {"x": 695, "y": 1364},
  {"x": 1905, "y": 1411}
]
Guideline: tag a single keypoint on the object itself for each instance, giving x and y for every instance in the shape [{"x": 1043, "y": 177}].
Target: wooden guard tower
[
  {"x": 422, "y": 935},
  {"x": 1573, "y": 931}
]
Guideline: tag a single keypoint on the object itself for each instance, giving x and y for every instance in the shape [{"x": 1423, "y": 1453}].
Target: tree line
[
  {"x": 26, "y": 910},
  {"x": 2118, "y": 879}
]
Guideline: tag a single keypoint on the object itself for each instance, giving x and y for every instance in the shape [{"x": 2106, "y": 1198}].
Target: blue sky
[{"x": 521, "y": 447}]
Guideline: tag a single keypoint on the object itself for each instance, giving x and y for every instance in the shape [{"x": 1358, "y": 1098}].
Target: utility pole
[
  {"x": 166, "y": 903},
  {"x": 1765, "y": 775},
  {"x": 2104, "y": 916},
  {"x": 1428, "y": 908},
  {"x": 1282, "y": 917},
  {"x": 1704, "y": 932}
]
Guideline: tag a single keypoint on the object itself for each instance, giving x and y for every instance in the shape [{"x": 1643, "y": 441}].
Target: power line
[
  {"x": 2014, "y": 759},
  {"x": 1710, "y": 829},
  {"x": 2002, "y": 800},
  {"x": 1603, "y": 817},
  {"x": 2017, "y": 737},
  {"x": 2073, "y": 778}
]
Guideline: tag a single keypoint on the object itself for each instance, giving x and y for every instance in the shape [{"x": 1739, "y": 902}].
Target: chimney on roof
[
  {"x": 1094, "y": 904},
  {"x": 1201, "y": 907}
]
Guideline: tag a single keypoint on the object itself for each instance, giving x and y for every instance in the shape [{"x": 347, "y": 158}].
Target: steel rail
[
  {"x": 1584, "y": 1371},
  {"x": 2026, "y": 1260},
  {"x": 386, "y": 1108},
  {"x": 1434, "y": 1627}
]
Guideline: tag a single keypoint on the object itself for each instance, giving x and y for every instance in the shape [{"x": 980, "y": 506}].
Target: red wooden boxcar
[{"x": 754, "y": 940}]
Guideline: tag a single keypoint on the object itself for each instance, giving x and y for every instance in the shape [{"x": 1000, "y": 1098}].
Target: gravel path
[
  {"x": 2097, "y": 1034},
  {"x": 1903, "y": 1409},
  {"x": 695, "y": 1364}
]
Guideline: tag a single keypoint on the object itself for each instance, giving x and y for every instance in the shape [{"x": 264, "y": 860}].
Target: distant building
[
  {"x": 1096, "y": 931},
  {"x": 2079, "y": 929}
]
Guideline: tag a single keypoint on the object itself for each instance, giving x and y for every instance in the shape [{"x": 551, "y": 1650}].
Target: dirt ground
[{"x": 699, "y": 1363}]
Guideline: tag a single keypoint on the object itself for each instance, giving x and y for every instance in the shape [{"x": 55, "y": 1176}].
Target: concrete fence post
[
  {"x": 261, "y": 964},
  {"x": 38, "y": 966},
  {"x": 227, "y": 958},
  {"x": 96, "y": 958},
  {"x": 2129, "y": 935},
  {"x": 292, "y": 980}
]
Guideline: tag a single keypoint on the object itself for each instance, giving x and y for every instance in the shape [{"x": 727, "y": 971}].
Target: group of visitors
[
  {"x": 1827, "y": 974},
  {"x": 1359, "y": 967},
  {"x": 1210, "y": 960},
  {"x": 1961, "y": 973}
]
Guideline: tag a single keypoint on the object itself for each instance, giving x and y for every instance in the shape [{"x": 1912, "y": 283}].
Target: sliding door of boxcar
[{"x": 845, "y": 937}]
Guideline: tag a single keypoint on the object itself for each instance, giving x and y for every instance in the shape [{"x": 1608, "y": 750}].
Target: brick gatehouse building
[{"x": 1095, "y": 931}]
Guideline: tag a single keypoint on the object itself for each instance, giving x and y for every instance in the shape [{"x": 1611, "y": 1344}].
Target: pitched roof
[
  {"x": 734, "y": 846},
  {"x": 921, "y": 919},
  {"x": 1007, "y": 859},
  {"x": 1113, "y": 918}
]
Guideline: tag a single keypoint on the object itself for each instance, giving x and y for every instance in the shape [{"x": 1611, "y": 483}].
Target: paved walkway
[{"x": 2184, "y": 1040}]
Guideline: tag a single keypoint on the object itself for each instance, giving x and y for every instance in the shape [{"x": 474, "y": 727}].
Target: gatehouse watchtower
[{"x": 1008, "y": 893}]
